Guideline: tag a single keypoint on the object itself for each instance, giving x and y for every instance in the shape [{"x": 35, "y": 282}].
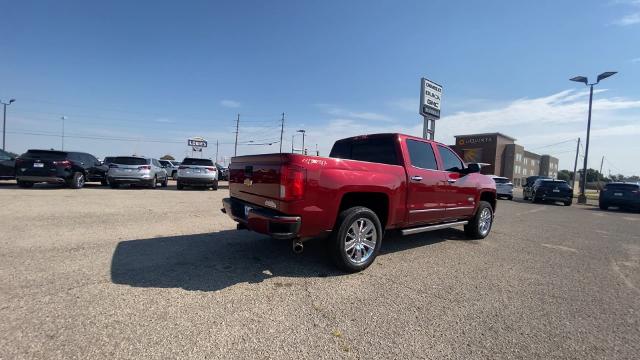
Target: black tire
[
  {"x": 114, "y": 185},
  {"x": 337, "y": 241},
  {"x": 215, "y": 185},
  {"x": 25, "y": 184},
  {"x": 567, "y": 203},
  {"x": 104, "y": 182},
  {"x": 165, "y": 183},
  {"x": 475, "y": 229},
  {"x": 77, "y": 180},
  {"x": 154, "y": 182},
  {"x": 174, "y": 174},
  {"x": 510, "y": 197},
  {"x": 179, "y": 186},
  {"x": 533, "y": 198},
  {"x": 604, "y": 206}
]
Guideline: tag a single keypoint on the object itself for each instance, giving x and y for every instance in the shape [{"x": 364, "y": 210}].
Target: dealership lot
[{"x": 102, "y": 273}]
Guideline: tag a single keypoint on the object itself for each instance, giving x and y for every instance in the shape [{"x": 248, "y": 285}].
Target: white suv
[{"x": 196, "y": 172}]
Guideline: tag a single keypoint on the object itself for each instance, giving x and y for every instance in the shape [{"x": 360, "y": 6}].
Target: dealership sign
[
  {"x": 430, "y": 98},
  {"x": 197, "y": 143}
]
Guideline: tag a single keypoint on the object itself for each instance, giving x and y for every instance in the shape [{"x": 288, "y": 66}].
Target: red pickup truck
[{"x": 367, "y": 185}]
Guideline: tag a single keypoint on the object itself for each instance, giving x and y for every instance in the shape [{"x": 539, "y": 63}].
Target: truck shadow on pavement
[{"x": 215, "y": 261}]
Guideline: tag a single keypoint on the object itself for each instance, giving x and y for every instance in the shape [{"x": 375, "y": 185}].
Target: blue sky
[{"x": 158, "y": 72}]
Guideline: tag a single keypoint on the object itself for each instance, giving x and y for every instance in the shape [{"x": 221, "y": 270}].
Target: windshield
[
  {"x": 197, "y": 162},
  {"x": 130, "y": 161}
]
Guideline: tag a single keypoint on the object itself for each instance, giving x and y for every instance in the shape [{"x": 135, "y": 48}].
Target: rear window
[
  {"x": 554, "y": 184},
  {"x": 108, "y": 160},
  {"x": 372, "y": 149},
  {"x": 197, "y": 162},
  {"x": 501, "y": 180},
  {"x": 125, "y": 160},
  {"x": 45, "y": 155},
  {"x": 628, "y": 187}
]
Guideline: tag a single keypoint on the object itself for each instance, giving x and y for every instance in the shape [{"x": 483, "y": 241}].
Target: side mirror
[{"x": 472, "y": 168}]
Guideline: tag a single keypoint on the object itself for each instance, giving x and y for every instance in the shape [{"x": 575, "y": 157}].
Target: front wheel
[
  {"x": 480, "y": 225},
  {"x": 165, "y": 183},
  {"x": 77, "y": 180},
  {"x": 567, "y": 203},
  {"x": 356, "y": 240}
]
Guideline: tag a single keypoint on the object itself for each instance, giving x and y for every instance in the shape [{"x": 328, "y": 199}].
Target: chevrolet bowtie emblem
[{"x": 248, "y": 182}]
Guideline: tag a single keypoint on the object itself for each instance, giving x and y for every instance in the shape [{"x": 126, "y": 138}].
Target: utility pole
[
  {"x": 4, "y": 120},
  {"x": 575, "y": 164},
  {"x": 281, "y": 132},
  {"x": 63, "y": 118},
  {"x": 292, "y": 136},
  {"x": 216, "y": 151},
  {"x": 600, "y": 172},
  {"x": 601, "y": 163},
  {"x": 317, "y": 151},
  {"x": 235, "y": 150}
]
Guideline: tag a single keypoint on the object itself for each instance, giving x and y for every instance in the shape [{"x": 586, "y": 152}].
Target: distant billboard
[
  {"x": 197, "y": 143},
  {"x": 430, "y": 98}
]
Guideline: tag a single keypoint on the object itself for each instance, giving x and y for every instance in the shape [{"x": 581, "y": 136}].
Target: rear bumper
[
  {"x": 631, "y": 203},
  {"x": 128, "y": 180},
  {"x": 196, "y": 181},
  {"x": 45, "y": 179},
  {"x": 548, "y": 197},
  {"x": 262, "y": 220}
]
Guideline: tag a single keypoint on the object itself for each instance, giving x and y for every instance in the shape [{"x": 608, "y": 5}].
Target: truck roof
[{"x": 392, "y": 134}]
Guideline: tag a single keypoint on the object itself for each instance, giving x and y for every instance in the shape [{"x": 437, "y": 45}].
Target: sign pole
[{"x": 430, "y": 102}]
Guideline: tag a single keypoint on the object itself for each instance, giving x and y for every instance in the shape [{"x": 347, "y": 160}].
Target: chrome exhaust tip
[{"x": 298, "y": 247}]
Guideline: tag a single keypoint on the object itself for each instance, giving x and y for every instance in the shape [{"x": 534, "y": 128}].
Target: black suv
[
  {"x": 551, "y": 190},
  {"x": 59, "y": 167},
  {"x": 528, "y": 186},
  {"x": 7, "y": 166},
  {"x": 620, "y": 194}
]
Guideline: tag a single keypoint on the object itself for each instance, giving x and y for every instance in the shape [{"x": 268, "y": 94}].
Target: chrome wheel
[
  {"x": 80, "y": 181},
  {"x": 484, "y": 225},
  {"x": 360, "y": 241}
]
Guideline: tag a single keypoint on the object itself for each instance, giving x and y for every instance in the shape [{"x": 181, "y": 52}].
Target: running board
[{"x": 432, "y": 227}]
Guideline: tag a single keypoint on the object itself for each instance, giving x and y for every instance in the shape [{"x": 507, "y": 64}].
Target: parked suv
[
  {"x": 551, "y": 190},
  {"x": 58, "y": 167},
  {"x": 171, "y": 167},
  {"x": 620, "y": 194},
  {"x": 136, "y": 170},
  {"x": 527, "y": 188},
  {"x": 7, "y": 166},
  {"x": 223, "y": 172},
  {"x": 504, "y": 187},
  {"x": 197, "y": 172}
]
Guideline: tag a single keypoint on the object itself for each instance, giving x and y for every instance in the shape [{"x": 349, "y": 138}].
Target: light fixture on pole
[
  {"x": 582, "y": 198},
  {"x": 4, "y": 120},
  {"x": 303, "y": 132}
]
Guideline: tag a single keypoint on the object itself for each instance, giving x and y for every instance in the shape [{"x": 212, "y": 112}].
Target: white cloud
[
  {"x": 230, "y": 103},
  {"x": 627, "y": 20},
  {"x": 636, "y": 60},
  {"x": 340, "y": 112}
]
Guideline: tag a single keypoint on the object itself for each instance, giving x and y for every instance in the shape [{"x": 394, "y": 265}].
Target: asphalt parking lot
[{"x": 137, "y": 273}]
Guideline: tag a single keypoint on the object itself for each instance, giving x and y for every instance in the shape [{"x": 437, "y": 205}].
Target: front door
[
  {"x": 424, "y": 200},
  {"x": 460, "y": 191}
]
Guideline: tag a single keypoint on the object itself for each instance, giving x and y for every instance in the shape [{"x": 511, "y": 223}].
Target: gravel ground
[{"x": 136, "y": 273}]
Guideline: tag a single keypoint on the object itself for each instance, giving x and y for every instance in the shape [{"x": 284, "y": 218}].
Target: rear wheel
[
  {"x": 25, "y": 184},
  {"x": 179, "y": 186},
  {"x": 174, "y": 174},
  {"x": 480, "y": 225},
  {"x": 154, "y": 182},
  {"x": 165, "y": 183},
  {"x": 215, "y": 185},
  {"x": 533, "y": 198},
  {"x": 104, "y": 182},
  {"x": 114, "y": 185},
  {"x": 77, "y": 180},
  {"x": 356, "y": 240},
  {"x": 567, "y": 203}
]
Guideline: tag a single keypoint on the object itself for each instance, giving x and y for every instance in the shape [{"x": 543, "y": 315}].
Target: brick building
[{"x": 504, "y": 156}]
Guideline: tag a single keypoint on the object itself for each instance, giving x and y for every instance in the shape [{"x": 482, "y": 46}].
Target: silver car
[
  {"x": 504, "y": 187},
  {"x": 135, "y": 170},
  {"x": 197, "y": 172},
  {"x": 171, "y": 166}
]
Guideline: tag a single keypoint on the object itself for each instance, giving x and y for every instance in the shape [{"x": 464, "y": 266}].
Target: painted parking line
[{"x": 560, "y": 247}]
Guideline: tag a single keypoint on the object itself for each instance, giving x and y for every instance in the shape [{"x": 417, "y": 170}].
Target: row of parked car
[
  {"x": 545, "y": 189},
  {"x": 76, "y": 168}
]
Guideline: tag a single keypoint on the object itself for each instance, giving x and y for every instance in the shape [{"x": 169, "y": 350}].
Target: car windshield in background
[
  {"x": 628, "y": 187},
  {"x": 198, "y": 162},
  {"x": 44, "y": 155},
  {"x": 501, "y": 180},
  {"x": 129, "y": 161}
]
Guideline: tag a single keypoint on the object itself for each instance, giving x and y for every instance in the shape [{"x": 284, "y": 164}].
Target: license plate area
[
  {"x": 617, "y": 194},
  {"x": 556, "y": 190},
  {"x": 38, "y": 165}
]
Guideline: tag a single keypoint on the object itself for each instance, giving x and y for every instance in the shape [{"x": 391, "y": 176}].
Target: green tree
[
  {"x": 593, "y": 175},
  {"x": 565, "y": 175},
  {"x": 167, "y": 157}
]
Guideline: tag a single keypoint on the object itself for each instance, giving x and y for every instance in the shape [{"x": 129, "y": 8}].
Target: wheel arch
[{"x": 378, "y": 202}]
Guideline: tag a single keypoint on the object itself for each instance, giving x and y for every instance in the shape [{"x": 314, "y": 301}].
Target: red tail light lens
[
  {"x": 144, "y": 167},
  {"x": 64, "y": 163},
  {"x": 210, "y": 168},
  {"x": 292, "y": 181}
]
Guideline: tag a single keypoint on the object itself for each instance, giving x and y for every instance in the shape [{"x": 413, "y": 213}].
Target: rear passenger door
[
  {"x": 460, "y": 191},
  {"x": 425, "y": 184}
]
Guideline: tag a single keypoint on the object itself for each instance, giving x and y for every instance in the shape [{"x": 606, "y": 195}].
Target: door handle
[
  {"x": 416, "y": 178},
  {"x": 451, "y": 181}
]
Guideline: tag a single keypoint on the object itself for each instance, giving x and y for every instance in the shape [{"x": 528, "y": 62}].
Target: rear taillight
[
  {"x": 19, "y": 161},
  {"x": 210, "y": 169},
  {"x": 63, "y": 163},
  {"x": 113, "y": 166},
  {"x": 182, "y": 167},
  {"x": 144, "y": 167},
  {"x": 292, "y": 180}
]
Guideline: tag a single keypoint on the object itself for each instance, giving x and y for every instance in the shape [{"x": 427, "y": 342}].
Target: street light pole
[
  {"x": 303, "y": 132},
  {"x": 582, "y": 198},
  {"x": 63, "y": 118},
  {"x": 4, "y": 120}
]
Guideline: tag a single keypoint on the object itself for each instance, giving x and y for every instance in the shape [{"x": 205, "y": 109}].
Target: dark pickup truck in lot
[
  {"x": 368, "y": 185},
  {"x": 621, "y": 194}
]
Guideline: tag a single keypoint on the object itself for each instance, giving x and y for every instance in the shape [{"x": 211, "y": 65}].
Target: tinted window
[
  {"x": 165, "y": 163},
  {"x": 421, "y": 155},
  {"x": 108, "y": 160},
  {"x": 629, "y": 187},
  {"x": 450, "y": 160},
  {"x": 553, "y": 184},
  {"x": 197, "y": 162},
  {"x": 500, "y": 180},
  {"x": 4, "y": 155},
  {"x": 45, "y": 155},
  {"x": 371, "y": 149},
  {"x": 126, "y": 160}
]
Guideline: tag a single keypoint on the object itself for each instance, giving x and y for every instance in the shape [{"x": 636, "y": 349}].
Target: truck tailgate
[{"x": 256, "y": 178}]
